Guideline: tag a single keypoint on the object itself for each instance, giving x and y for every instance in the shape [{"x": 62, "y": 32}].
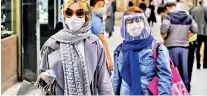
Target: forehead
[
  {"x": 100, "y": 2},
  {"x": 74, "y": 6},
  {"x": 77, "y": 5}
]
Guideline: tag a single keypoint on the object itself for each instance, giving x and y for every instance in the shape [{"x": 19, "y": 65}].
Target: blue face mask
[{"x": 100, "y": 12}]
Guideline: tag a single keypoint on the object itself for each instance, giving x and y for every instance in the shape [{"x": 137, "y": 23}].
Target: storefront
[
  {"x": 39, "y": 18},
  {"x": 26, "y": 25},
  {"x": 10, "y": 34}
]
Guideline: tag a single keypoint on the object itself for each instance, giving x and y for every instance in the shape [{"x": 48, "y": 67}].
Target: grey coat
[
  {"x": 109, "y": 26},
  {"x": 96, "y": 63},
  {"x": 199, "y": 14},
  {"x": 177, "y": 25}
]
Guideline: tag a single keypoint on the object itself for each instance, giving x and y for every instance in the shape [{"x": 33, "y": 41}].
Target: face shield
[{"x": 146, "y": 32}]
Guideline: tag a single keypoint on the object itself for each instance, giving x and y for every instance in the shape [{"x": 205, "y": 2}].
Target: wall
[
  {"x": 10, "y": 49},
  {"x": 8, "y": 62}
]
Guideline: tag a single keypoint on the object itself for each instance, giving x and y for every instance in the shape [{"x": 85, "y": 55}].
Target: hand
[
  {"x": 104, "y": 19},
  {"x": 110, "y": 65},
  {"x": 190, "y": 34},
  {"x": 48, "y": 76},
  {"x": 162, "y": 42}
]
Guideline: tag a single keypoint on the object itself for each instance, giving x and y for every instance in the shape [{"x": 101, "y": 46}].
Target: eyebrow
[{"x": 102, "y": 5}]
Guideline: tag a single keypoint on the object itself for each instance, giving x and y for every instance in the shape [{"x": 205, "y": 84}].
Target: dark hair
[
  {"x": 133, "y": 10},
  {"x": 200, "y": 2},
  {"x": 143, "y": 0},
  {"x": 161, "y": 8},
  {"x": 171, "y": 4},
  {"x": 130, "y": 4},
  {"x": 93, "y": 2}
]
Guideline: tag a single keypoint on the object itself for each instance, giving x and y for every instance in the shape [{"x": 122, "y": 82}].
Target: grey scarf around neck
[{"x": 70, "y": 54}]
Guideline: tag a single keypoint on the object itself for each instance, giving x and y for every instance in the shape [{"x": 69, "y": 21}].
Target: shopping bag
[
  {"x": 35, "y": 89},
  {"x": 178, "y": 87}
]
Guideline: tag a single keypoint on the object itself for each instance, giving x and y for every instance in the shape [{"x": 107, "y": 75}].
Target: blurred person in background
[
  {"x": 175, "y": 30},
  {"x": 97, "y": 26},
  {"x": 191, "y": 55},
  {"x": 192, "y": 50},
  {"x": 114, "y": 10},
  {"x": 199, "y": 13},
  {"x": 161, "y": 11},
  {"x": 143, "y": 5},
  {"x": 152, "y": 17},
  {"x": 74, "y": 59},
  {"x": 190, "y": 8},
  {"x": 182, "y": 5},
  {"x": 192, "y": 44},
  {"x": 133, "y": 58},
  {"x": 109, "y": 21}
]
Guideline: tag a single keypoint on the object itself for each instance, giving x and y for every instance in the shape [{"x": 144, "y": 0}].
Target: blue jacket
[{"x": 147, "y": 71}]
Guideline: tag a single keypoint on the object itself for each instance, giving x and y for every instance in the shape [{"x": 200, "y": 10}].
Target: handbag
[
  {"x": 178, "y": 87},
  {"x": 35, "y": 89}
]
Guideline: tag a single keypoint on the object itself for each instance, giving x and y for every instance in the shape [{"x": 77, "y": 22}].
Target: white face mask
[
  {"x": 74, "y": 23},
  {"x": 135, "y": 29},
  {"x": 100, "y": 12}
]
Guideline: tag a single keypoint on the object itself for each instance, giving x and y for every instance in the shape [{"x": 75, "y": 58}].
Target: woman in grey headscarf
[{"x": 75, "y": 55}]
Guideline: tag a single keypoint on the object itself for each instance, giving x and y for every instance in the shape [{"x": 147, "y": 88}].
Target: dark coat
[{"x": 152, "y": 14}]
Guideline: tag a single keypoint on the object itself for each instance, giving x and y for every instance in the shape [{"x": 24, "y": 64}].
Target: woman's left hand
[{"x": 110, "y": 65}]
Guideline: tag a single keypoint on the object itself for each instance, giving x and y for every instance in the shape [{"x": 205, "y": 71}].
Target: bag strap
[{"x": 155, "y": 56}]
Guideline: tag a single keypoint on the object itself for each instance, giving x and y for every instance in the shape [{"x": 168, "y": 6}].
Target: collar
[{"x": 96, "y": 16}]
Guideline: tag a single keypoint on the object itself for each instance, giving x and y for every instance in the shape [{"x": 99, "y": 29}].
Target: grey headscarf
[{"x": 70, "y": 54}]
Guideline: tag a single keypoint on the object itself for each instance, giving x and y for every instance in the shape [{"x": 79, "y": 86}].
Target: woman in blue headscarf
[{"x": 133, "y": 58}]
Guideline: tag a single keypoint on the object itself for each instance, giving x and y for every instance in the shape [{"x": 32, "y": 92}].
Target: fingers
[
  {"x": 50, "y": 76},
  {"x": 110, "y": 67},
  {"x": 49, "y": 79},
  {"x": 42, "y": 75}
]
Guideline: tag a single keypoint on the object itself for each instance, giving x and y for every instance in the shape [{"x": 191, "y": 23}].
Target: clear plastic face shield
[{"x": 138, "y": 19}]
